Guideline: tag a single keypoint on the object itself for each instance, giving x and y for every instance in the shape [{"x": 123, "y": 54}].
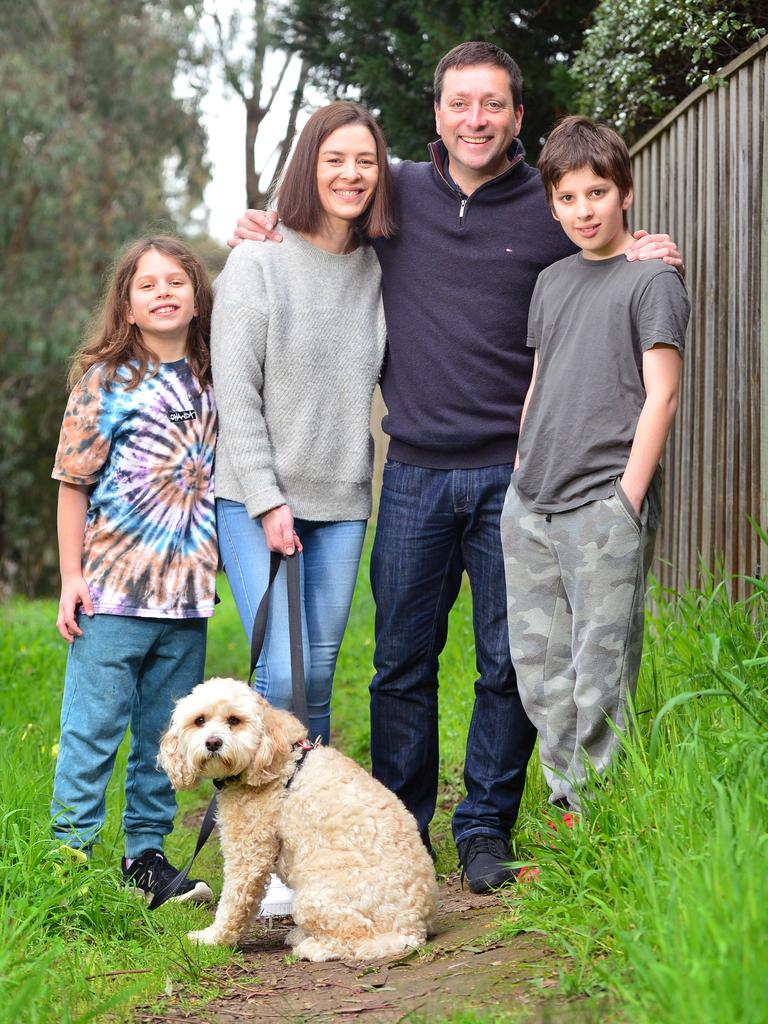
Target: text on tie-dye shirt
[{"x": 150, "y": 533}]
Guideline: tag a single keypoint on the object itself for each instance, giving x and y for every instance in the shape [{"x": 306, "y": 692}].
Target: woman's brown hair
[
  {"x": 116, "y": 343},
  {"x": 298, "y": 201}
]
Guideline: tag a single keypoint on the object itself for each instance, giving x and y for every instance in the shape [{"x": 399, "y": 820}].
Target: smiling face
[
  {"x": 478, "y": 121},
  {"x": 347, "y": 173},
  {"x": 591, "y": 210},
  {"x": 161, "y": 303}
]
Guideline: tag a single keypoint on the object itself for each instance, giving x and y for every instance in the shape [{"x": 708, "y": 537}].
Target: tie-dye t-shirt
[{"x": 150, "y": 533}]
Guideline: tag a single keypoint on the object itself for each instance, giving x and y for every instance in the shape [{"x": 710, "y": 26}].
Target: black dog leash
[{"x": 293, "y": 581}]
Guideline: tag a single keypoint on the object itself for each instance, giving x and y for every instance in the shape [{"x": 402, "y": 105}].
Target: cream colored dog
[{"x": 364, "y": 885}]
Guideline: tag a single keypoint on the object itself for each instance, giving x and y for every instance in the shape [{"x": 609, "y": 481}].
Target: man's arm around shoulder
[{"x": 256, "y": 226}]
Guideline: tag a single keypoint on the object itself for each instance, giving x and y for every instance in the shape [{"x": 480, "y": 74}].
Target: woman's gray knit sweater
[{"x": 297, "y": 342}]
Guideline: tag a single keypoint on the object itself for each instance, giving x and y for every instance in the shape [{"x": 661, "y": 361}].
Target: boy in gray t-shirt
[{"x": 581, "y": 513}]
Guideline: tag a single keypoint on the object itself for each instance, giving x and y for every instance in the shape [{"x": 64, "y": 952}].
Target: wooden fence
[{"x": 702, "y": 175}]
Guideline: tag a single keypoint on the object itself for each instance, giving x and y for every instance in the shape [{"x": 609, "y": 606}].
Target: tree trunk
[
  {"x": 290, "y": 131},
  {"x": 253, "y": 119}
]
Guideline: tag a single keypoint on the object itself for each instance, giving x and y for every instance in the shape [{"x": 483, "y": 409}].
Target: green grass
[
  {"x": 68, "y": 933},
  {"x": 658, "y": 900}
]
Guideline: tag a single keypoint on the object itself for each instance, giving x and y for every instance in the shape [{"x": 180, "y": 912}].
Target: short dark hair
[
  {"x": 467, "y": 55},
  {"x": 298, "y": 201},
  {"x": 577, "y": 142}
]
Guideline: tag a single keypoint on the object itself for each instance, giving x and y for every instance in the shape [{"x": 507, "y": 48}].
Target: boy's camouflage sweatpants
[{"x": 575, "y": 592}]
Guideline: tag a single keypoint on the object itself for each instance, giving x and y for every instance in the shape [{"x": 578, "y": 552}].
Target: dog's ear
[
  {"x": 290, "y": 725},
  {"x": 275, "y": 746},
  {"x": 173, "y": 762}
]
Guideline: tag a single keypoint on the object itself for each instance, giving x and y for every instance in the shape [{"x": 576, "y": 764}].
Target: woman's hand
[
  {"x": 74, "y": 592},
  {"x": 278, "y": 530}
]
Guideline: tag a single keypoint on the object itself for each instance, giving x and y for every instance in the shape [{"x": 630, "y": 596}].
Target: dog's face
[{"x": 224, "y": 728}]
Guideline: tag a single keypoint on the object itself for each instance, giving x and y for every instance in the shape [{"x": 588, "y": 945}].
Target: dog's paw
[
  {"x": 295, "y": 936},
  {"x": 317, "y": 951},
  {"x": 206, "y": 937}
]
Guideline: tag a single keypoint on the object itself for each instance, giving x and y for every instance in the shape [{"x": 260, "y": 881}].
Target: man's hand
[
  {"x": 74, "y": 592},
  {"x": 258, "y": 226},
  {"x": 278, "y": 530},
  {"x": 654, "y": 247}
]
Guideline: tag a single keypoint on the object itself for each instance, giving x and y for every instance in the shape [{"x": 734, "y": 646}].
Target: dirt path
[{"x": 464, "y": 967}]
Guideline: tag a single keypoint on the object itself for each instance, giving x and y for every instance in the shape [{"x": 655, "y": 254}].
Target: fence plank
[{"x": 702, "y": 175}]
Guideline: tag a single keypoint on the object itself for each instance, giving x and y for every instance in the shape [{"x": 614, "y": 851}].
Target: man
[{"x": 474, "y": 231}]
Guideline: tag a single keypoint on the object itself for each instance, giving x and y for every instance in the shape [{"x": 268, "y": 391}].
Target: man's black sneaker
[
  {"x": 484, "y": 863},
  {"x": 151, "y": 873}
]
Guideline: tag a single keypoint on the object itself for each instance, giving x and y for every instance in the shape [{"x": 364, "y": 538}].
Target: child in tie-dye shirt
[{"x": 137, "y": 547}]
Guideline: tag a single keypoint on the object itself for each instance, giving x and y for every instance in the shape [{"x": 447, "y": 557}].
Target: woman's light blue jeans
[
  {"x": 329, "y": 565},
  {"x": 123, "y": 670}
]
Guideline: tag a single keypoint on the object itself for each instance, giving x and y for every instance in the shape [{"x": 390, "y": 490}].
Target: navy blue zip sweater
[{"x": 457, "y": 281}]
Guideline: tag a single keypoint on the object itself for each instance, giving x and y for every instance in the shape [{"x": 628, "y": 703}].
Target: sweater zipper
[{"x": 463, "y": 200}]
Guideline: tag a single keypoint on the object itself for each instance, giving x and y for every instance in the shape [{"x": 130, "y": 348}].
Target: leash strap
[
  {"x": 259, "y": 630},
  {"x": 293, "y": 584},
  {"x": 300, "y": 709},
  {"x": 175, "y": 884},
  {"x": 298, "y": 685}
]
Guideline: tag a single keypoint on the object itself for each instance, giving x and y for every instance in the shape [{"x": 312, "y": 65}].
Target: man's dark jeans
[{"x": 432, "y": 525}]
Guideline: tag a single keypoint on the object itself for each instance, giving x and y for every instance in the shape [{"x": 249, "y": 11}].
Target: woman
[{"x": 297, "y": 343}]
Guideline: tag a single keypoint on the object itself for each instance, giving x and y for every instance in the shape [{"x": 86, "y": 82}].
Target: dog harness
[
  {"x": 221, "y": 783},
  {"x": 304, "y": 746}
]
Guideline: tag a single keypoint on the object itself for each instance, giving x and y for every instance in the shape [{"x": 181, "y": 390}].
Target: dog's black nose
[{"x": 213, "y": 743}]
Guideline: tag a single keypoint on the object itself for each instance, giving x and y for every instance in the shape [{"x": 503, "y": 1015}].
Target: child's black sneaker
[{"x": 151, "y": 873}]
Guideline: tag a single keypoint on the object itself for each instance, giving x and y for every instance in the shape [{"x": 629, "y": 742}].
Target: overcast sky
[{"x": 225, "y": 121}]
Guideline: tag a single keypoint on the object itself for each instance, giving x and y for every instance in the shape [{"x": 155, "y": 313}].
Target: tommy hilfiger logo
[{"x": 182, "y": 415}]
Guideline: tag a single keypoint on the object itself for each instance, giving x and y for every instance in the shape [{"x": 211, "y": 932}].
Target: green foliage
[
  {"x": 642, "y": 57},
  {"x": 658, "y": 898},
  {"x": 74, "y": 945},
  {"x": 90, "y": 136},
  {"x": 385, "y": 52},
  {"x": 659, "y": 895},
  {"x": 59, "y": 923}
]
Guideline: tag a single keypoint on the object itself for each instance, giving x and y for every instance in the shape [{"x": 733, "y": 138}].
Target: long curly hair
[{"x": 114, "y": 342}]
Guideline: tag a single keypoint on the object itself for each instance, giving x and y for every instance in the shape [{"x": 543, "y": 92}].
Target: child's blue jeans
[
  {"x": 122, "y": 671},
  {"x": 329, "y": 565}
]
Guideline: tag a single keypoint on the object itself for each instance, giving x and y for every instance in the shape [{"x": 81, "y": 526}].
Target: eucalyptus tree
[
  {"x": 93, "y": 137},
  {"x": 250, "y": 46}
]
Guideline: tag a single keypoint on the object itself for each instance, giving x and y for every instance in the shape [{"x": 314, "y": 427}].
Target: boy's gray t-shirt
[{"x": 591, "y": 321}]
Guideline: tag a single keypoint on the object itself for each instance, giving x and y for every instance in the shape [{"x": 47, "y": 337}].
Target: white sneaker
[{"x": 278, "y": 899}]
